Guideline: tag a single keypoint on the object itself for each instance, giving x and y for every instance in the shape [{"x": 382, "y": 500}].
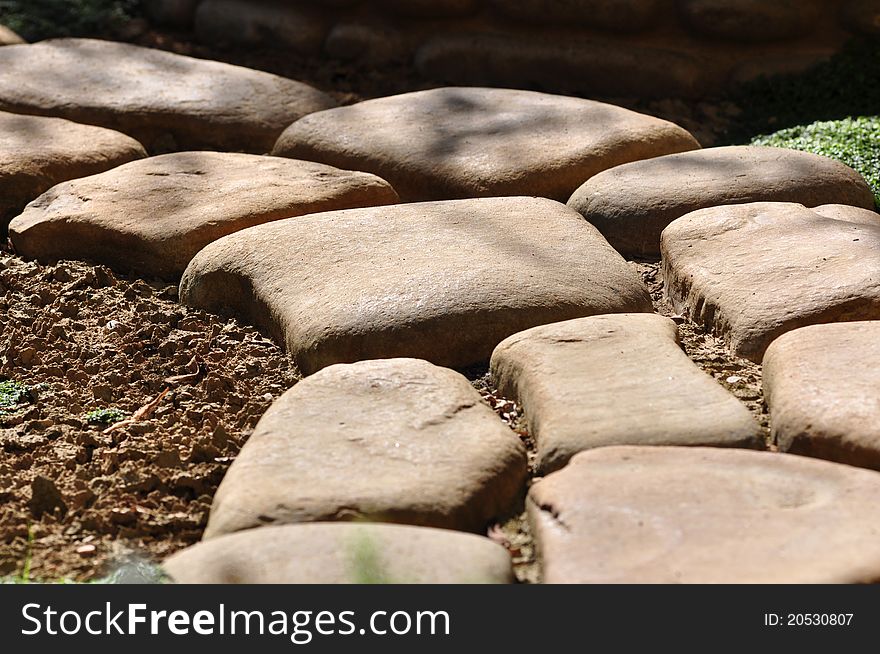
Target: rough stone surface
[
  {"x": 613, "y": 15},
  {"x": 752, "y": 272},
  {"x": 152, "y": 216},
  {"x": 749, "y": 20},
  {"x": 443, "y": 281},
  {"x": 577, "y": 65},
  {"x": 755, "y": 271},
  {"x": 343, "y": 554},
  {"x": 474, "y": 142},
  {"x": 706, "y": 515},
  {"x": 391, "y": 440},
  {"x": 261, "y": 23},
  {"x": 37, "y": 153},
  {"x": 166, "y": 101},
  {"x": 849, "y": 214},
  {"x": 615, "y": 380},
  {"x": 8, "y": 37},
  {"x": 821, "y": 384},
  {"x": 631, "y": 204}
]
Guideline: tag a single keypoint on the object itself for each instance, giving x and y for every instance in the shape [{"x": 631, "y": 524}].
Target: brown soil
[{"x": 82, "y": 338}]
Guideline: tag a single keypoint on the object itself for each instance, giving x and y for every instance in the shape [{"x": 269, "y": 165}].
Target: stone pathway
[
  {"x": 392, "y": 237},
  {"x": 444, "y": 281},
  {"x": 472, "y": 142},
  {"x": 36, "y": 153},
  {"x": 632, "y": 204},
  {"x": 166, "y": 101}
]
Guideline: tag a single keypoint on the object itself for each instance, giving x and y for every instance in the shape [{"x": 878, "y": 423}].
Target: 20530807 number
[{"x": 808, "y": 619}]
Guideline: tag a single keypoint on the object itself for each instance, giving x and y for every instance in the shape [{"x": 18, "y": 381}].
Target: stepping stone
[
  {"x": 631, "y": 204},
  {"x": 393, "y": 440},
  {"x": 442, "y": 281},
  {"x": 166, "y": 101},
  {"x": 476, "y": 142},
  {"x": 330, "y": 553},
  {"x": 755, "y": 271},
  {"x": 821, "y": 383},
  {"x": 706, "y": 515},
  {"x": 36, "y": 153},
  {"x": 152, "y": 216},
  {"x": 615, "y": 380}
]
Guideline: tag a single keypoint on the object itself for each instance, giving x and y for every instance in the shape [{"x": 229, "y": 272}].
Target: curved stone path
[{"x": 372, "y": 294}]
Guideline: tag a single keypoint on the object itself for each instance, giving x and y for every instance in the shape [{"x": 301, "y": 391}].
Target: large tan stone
[
  {"x": 443, "y": 281},
  {"x": 330, "y": 553},
  {"x": 166, "y": 101},
  {"x": 152, "y": 216},
  {"x": 36, "y": 153},
  {"x": 706, "y": 515},
  {"x": 631, "y": 204},
  {"x": 821, "y": 384},
  {"x": 576, "y": 65},
  {"x": 615, "y": 380},
  {"x": 476, "y": 142},
  {"x": 752, "y": 272},
  {"x": 391, "y": 440}
]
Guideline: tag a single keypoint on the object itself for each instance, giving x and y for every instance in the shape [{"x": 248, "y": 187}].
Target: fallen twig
[{"x": 141, "y": 414}]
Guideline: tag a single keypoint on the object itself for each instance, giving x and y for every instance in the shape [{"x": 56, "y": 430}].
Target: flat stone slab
[
  {"x": 391, "y": 440},
  {"x": 166, "y": 101},
  {"x": 442, "y": 281},
  {"x": 615, "y": 380},
  {"x": 755, "y": 271},
  {"x": 330, "y": 553},
  {"x": 477, "y": 142},
  {"x": 152, "y": 216},
  {"x": 36, "y": 153},
  {"x": 821, "y": 384},
  {"x": 706, "y": 515},
  {"x": 631, "y": 204}
]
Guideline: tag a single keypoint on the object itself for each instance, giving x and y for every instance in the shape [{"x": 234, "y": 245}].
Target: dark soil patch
[{"x": 90, "y": 348}]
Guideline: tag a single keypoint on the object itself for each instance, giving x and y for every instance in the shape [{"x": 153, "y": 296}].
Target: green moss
[
  {"x": 13, "y": 393},
  {"x": 45, "y": 19},
  {"x": 854, "y": 141},
  {"x": 106, "y": 416}
]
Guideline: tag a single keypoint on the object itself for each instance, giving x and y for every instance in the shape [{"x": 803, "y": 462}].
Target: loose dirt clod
[{"x": 80, "y": 349}]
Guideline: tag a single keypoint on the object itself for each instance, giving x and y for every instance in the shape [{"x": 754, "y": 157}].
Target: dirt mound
[{"x": 81, "y": 349}]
